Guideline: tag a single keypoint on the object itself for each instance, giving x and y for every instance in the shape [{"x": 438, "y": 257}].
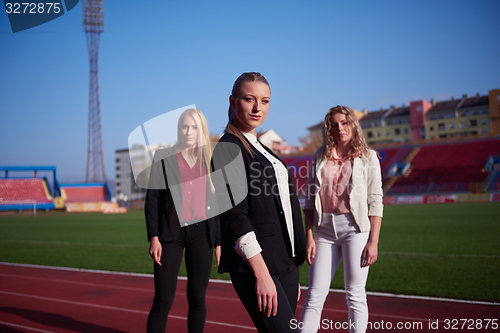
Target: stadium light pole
[{"x": 93, "y": 25}]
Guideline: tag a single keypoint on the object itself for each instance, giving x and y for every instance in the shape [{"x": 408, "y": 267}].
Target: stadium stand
[
  {"x": 85, "y": 192},
  {"x": 22, "y": 193},
  {"x": 432, "y": 168},
  {"x": 450, "y": 167},
  {"x": 89, "y": 198}
]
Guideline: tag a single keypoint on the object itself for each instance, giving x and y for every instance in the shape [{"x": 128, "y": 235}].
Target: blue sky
[{"x": 156, "y": 56}]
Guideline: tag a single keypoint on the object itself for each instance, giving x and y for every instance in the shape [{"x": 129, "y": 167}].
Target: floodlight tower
[{"x": 93, "y": 25}]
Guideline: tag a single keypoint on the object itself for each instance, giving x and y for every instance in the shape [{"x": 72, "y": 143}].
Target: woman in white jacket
[{"x": 344, "y": 203}]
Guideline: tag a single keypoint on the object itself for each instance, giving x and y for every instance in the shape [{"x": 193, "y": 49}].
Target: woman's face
[
  {"x": 251, "y": 105},
  {"x": 341, "y": 129},
  {"x": 188, "y": 132}
]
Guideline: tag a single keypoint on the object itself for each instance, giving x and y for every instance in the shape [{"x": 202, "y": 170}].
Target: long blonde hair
[
  {"x": 231, "y": 124},
  {"x": 358, "y": 144},
  {"x": 202, "y": 151}
]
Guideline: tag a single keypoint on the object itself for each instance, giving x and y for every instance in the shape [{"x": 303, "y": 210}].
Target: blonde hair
[
  {"x": 358, "y": 144},
  {"x": 202, "y": 150},
  {"x": 231, "y": 124}
]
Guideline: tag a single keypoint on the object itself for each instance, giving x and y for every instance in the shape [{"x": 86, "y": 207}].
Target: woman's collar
[{"x": 250, "y": 137}]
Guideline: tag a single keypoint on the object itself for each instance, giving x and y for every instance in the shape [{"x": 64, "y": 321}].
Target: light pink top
[{"x": 334, "y": 191}]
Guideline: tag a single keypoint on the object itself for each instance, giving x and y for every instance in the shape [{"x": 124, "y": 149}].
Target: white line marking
[
  {"x": 150, "y": 290},
  {"x": 77, "y": 282},
  {"x": 441, "y": 255},
  {"x": 370, "y": 293},
  {"x": 378, "y": 315},
  {"x": 25, "y": 327},
  {"x": 423, "y": 298},
  {"x": 114, "y": 308},
  {"x": 85, "y": 270},
  {"x": 24, "y": 241}
]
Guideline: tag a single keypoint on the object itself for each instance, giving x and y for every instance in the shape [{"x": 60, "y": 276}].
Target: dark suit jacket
[
  {"x": 164, "y": 195},
  {"x": 259, "y": 211}
]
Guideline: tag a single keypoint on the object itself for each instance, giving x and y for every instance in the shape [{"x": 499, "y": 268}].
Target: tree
[{"x": 311, "y": 142}]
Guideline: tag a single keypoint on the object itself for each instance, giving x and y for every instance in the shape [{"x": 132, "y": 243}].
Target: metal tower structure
[{"x": 93, "y": 25}]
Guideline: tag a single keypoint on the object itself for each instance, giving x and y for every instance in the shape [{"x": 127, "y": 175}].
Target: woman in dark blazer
[
  {"x": 262, "y": 236},
  {"x": 178, "y": 206}
]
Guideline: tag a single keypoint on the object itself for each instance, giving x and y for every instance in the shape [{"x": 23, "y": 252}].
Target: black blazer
[
  {"x": 163, "y": 196},
  {"x": 260, "y": 211}
]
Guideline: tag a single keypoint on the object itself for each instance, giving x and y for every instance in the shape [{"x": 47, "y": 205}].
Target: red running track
[{"x": 49, "y": 299}]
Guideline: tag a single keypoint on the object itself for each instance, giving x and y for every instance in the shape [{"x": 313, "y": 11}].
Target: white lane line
[
  {"x": 25, "y": 327},
  {"x": 376, "y": 315},
  {"x": 71, "y": 269},
  {"x": 115, "y": 308},
  {"x": 77, "y": 283},
  {"x": 151, "y": 290},
  {"x": 369, "y": 293}
]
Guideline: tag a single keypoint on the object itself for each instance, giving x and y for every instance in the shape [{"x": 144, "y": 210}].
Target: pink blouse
[{"x": 334, "y": 191}]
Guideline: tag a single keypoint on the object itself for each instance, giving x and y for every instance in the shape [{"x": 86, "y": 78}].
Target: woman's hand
[
  {"x": 370, "y": 253},
  {"x": 217, "y": 255},
  {"x": 267, "y": 296},
  {"x": 310, "y": 250},
  {"x": 310, "y": 242},
  {"x": 155, "y": 249}
]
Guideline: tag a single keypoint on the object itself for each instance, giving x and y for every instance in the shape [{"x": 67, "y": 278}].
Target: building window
[
  {"x": 397, "y": 131},
  {"x": 419, "y": 107},
  {"x": 484, "y": 122},
  {"x": 378, "y": 134},
  {"x": 441, "y": 126},
  {"x": 462, "y": 125},
  {"x": 473, "y": 122},
  {"x": 387, "y": 133},
  {"x": 431, "y": 128},
  {"x": 369, "y": 134},
  {"x": 452, "y": 125}
]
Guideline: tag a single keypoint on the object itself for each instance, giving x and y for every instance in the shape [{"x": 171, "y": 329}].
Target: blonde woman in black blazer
[
  {"x": 262, "y": 236},
  {"x": 178, "y": 219}
]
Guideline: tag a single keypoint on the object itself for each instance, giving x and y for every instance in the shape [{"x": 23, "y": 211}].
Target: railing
[{"x": 18, "y": 205}]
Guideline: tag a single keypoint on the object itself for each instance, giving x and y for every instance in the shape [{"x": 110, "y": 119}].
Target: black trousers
[
  {"x": 287, "y": 286},
  {"x": 198, "y": 259}
]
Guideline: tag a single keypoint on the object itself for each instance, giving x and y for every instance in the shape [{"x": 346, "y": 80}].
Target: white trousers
[{"x": 337, "y": 238}]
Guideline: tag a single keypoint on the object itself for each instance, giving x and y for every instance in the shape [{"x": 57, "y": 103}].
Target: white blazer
[{"x": 365, "y": 189}]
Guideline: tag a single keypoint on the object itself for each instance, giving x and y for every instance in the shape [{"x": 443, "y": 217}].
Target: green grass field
[{"x": 449, "y": 250}]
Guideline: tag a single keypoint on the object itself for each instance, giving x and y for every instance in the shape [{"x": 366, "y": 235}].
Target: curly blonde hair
[{"x": 358, "y": 144}]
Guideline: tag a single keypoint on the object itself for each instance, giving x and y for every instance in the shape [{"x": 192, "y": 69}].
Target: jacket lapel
[
  {"x": 268, "y": 169},
  {"x": 174, "y": 179}
]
